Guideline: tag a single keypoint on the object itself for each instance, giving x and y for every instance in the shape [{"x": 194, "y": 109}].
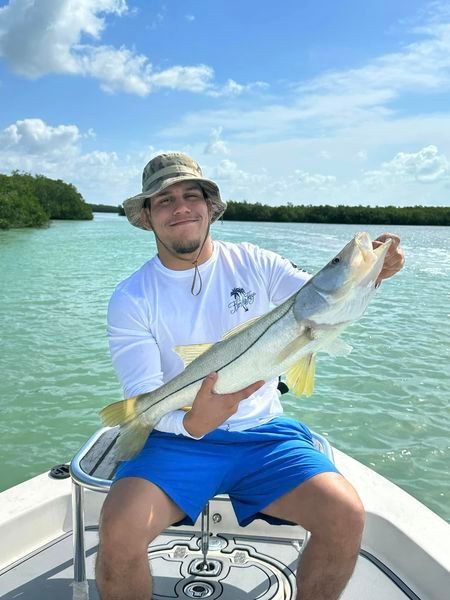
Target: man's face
[{"x": 179, "y": 216}]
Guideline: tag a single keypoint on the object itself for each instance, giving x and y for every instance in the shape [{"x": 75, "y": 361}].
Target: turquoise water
[{"x": 387, "y": 404}]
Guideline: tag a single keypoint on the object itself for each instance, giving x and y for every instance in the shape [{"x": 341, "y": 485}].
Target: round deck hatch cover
[{"x": 198, "y": 589}]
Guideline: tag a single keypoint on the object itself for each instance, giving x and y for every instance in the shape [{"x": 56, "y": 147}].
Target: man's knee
[
  {"x": 134, "y": 513},
  {"x": 121, "y": 538},
  {"x": 341, "y": 520},
  {"x": 348, "y": 515}
]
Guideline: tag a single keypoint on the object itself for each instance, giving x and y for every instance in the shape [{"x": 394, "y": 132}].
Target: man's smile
[{"x": 184, "y": 222}]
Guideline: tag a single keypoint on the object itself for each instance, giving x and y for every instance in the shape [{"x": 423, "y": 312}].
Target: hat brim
[{"x": 133, "y": 206}]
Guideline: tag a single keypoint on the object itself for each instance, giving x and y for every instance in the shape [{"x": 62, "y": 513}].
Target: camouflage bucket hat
[{"x": 165, "y": 170}]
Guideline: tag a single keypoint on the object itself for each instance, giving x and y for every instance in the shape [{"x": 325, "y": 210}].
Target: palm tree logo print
[{"x": 241, "y": 298}]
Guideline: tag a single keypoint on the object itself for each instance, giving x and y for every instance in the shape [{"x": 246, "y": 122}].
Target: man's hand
[
  {"x": 394, "y": 259},
  {"x": 209, "y": 410}
]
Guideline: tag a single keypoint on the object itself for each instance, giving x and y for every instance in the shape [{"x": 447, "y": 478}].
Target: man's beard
[{"x": 186, "y": 246}]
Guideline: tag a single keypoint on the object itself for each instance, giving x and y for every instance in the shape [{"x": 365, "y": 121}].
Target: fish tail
[
  {"x": 132, "y": 438},
  {"x": 120, "y": 412}
]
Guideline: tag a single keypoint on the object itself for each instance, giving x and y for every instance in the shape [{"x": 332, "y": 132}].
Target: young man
[{"x": 194, "y": 291}]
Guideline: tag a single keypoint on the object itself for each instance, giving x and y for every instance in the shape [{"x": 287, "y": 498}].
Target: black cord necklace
[{"x": 197, "y": 274}]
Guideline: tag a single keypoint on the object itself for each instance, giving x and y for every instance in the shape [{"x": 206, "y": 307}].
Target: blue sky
[{"x": 298, "y": 101}]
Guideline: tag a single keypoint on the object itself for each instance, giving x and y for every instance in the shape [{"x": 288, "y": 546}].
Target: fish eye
[{"x": 336, "y": 260}]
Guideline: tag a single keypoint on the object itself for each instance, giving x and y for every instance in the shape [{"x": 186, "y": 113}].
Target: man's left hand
[{"x": 395, "y": 257}]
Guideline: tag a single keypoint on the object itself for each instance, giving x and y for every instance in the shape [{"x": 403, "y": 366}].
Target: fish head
[{"x": 340, "y": 291}]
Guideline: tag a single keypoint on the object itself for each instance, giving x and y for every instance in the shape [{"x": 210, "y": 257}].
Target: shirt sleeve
[
  {"x": 134, "y": 351},
  {"x": 136, "y": 357},
  {"x": 283, "y": 278}
]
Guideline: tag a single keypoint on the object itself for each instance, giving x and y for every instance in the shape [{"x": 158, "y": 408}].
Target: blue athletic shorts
[{"x": 255, "y": 467}]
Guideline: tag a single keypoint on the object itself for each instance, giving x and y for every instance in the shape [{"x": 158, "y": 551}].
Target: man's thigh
[
  {"x": 320, "y": 503},
  {"x": 281, "y": 458},
  {"x": 137, "y": 508}
]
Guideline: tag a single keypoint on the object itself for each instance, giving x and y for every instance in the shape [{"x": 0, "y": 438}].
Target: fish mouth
[
  {"x": 367, "y": 261},
  {"x": 364, "y": 263}
]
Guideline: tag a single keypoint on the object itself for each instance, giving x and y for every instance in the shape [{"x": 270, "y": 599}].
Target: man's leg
[
  {"x": 331, "y": 510},
  {"x": 135, "y": 512}
]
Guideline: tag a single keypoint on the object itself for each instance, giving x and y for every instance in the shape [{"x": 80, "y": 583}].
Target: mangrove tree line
[
  {"x": 31, "y": 201},
  {"x": 364, "y": 215}
]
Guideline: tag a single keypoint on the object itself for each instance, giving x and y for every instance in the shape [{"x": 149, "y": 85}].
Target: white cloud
[
  {"x": 189, "y": 18},
  {"x": 33, "y": 146},
  {"x": 232, "y": 88},
  {"x": 34, "y": 137},
  {"x": 215, "y": 144},
  {"x": 194, "y": 79},
  {"x": 361, "y": 155},
  {"x": 315, "y": 181},
  {"x": 39, "y": 38},
  {"x": 425, "y": 166}
]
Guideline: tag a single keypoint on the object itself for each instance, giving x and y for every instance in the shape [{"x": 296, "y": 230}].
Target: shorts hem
[
  {"x": 245, "y": 520},
  {"x": 188, "y": 519}
]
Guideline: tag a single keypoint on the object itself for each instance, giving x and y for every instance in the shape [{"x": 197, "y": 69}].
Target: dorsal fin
[
  {"x": 190, "y": 353},
  {"x": 240, "y": 327}
]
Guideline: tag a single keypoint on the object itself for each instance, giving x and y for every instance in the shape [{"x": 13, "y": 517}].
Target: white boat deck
[
  {"x": 405, "y": 550},
  {"x": 247, "y": 570}
]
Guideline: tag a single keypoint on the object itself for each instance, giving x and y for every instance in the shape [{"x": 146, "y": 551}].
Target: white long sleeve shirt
[{"x": 153, "y": 310}]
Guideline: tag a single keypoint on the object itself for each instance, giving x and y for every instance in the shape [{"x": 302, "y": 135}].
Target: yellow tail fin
[
  {"x": 300, "y": 377},
  {"x": 119, "y": 412},
  {"x": 132, "y": 438}
]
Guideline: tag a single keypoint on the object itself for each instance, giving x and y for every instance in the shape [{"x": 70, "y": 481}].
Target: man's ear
[{"x": 145, "y": 219}]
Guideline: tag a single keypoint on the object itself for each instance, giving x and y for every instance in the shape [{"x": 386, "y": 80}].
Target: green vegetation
[
  {"x": 30, "y": 201},
  {"x": 104, "y": 208},
  {"x": 365, "y": 215}
]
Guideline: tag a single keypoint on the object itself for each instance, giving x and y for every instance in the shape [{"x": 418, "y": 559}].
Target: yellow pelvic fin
[
  {"x": 240, "y": 327},
  {"x": 190, "y": 353},
  {"x": 119, "y": 412},
  {"x": 300, "y": 377}
]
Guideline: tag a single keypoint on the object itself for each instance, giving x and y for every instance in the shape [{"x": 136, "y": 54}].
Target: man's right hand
[{"x": 209, "y": 410}]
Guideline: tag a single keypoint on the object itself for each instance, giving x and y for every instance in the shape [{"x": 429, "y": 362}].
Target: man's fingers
[
  {"x": 386, "y": 236},
  {"x": 248, "y": 391},
  {"x": 209, "y": 382}
]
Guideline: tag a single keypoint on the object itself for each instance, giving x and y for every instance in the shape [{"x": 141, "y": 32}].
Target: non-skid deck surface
[{"x": 246, "y": 568}]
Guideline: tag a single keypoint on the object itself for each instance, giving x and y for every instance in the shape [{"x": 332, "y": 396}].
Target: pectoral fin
[
  {"x": 337, "y": 348},
  {"x": 293, "y": 347},
  {"x": 300, "y": 377}
]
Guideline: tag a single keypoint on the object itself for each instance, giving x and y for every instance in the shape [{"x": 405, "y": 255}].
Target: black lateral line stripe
[{"x": 223, "y": 366}]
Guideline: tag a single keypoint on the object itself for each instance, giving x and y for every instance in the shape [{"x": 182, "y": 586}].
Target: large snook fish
[{"x": 283, "y": 341}]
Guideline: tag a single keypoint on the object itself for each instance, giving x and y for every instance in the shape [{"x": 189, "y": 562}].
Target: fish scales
[{"x": 223, "y": 357}]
